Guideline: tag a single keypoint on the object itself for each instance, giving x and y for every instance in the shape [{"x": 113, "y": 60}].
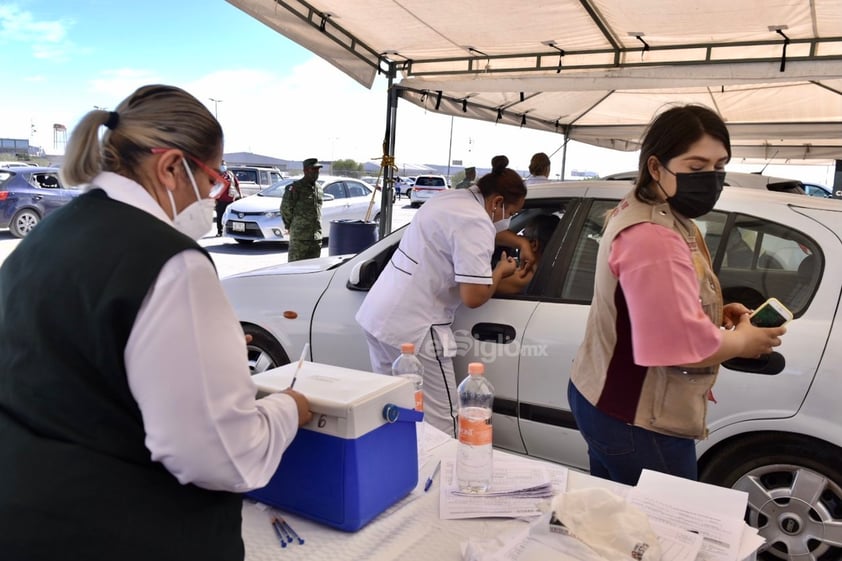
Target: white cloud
[{"x": 48, "y": 39}]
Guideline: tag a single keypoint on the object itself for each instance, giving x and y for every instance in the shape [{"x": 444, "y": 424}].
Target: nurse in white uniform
[{"x": 444, "y": 260}]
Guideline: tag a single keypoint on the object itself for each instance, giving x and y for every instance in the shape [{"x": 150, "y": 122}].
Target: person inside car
[
  {"x": 127, "y": 411},
  {"x": 538, "y": 232},
  {"x": 654, "y": 338}
]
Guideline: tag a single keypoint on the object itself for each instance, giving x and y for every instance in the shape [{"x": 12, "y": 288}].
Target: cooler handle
[{"x": 392, "y": 413}]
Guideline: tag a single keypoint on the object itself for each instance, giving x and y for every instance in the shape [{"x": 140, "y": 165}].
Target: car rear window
[{"x": 429, "y": 182}]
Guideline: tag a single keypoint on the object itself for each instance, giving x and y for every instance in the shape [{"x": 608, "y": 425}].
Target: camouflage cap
[{"x": 311, "y": 163}]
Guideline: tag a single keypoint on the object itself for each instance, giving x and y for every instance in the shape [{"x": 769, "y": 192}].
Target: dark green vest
[{"x": 76, "y": 480}]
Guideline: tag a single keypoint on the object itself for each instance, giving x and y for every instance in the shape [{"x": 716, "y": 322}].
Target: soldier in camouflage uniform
[{"x": 301, "y": 210}]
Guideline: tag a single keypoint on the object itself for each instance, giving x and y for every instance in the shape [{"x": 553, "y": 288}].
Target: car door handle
[
  {"x": 770, "y": 364},
  {"x": 494, "y": 332}
]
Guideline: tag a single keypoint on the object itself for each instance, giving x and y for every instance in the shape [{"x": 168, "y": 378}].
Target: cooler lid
[{"x": 355, "y": 396}]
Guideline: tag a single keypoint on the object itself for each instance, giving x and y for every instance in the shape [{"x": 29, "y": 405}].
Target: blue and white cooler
[{"x": 358, "y": 455}]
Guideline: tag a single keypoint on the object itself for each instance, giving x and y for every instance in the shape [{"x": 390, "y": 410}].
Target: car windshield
[{"x": 276, "y": 189}]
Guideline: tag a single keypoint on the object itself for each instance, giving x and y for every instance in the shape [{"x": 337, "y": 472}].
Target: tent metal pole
[
  {"x": 388, "y": 191},
  {"x": 564, "y": 157}
]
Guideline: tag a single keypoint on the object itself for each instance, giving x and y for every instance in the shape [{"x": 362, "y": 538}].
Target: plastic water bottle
[
  {"x": 408, "y": 366},
  {"x": 473, "y": 455}
]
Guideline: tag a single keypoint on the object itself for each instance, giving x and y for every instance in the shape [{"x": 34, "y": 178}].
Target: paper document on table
[
  {"x": 518, "y": 489},
  {"x": 715, "y": 513}
]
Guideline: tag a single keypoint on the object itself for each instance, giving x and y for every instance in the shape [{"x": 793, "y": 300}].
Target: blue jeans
[{"x": 619, "y": 451}]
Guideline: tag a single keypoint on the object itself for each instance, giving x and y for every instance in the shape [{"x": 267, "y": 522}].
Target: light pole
[{"x": 216, "y": 103}]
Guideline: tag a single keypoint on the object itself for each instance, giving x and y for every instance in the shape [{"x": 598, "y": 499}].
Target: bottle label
[
  {"x": 476, "y": 432},
  {"x": 419, "y": 400}
]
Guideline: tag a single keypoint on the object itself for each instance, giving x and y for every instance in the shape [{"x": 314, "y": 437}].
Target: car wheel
[
  {"x": 244, "y": 242},
  {"x": 794, "y": 487},
  {"x": 23, "y": 222},
  {"x": 264, "y": 352}
]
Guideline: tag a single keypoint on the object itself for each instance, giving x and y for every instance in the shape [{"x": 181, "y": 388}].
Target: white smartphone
[{"x": 772, "y": 313}]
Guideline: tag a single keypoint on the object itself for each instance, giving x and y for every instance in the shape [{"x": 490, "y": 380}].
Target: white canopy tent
[{"x": 593, "y": 70}]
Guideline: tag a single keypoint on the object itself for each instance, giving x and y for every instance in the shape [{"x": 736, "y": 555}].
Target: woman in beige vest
[{"x": 654, "y": 338}]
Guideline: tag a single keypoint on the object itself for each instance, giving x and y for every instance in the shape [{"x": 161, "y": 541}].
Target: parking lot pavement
[{"x": 230, "y": 257}]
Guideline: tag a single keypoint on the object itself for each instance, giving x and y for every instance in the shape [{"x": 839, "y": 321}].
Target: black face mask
[{"x": 695, "y": 193}]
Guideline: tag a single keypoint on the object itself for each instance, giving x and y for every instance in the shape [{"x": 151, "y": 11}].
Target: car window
[
  {"x": 247, "y": 175},
  {"x": 429, "y": 182},
  {"x": 45, "y": 180},
  {"x": 356, "y": 189},
  {"x": 337, "y": 189},
  {"x": 756, "y": 259},
  {"x": 264, "y": 177},
  {"x": 578, "y": 282},
  {"x": 551, "y": 214},
  {"x": 277, "y": 189},
  {"x": 274, "y": 176}
]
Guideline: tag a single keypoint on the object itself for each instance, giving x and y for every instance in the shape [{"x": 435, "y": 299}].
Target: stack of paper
[{"x": 518, "y": 489}]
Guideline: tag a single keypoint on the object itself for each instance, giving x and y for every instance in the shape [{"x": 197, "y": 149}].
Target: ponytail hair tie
[{"x": 113, "y": 119}]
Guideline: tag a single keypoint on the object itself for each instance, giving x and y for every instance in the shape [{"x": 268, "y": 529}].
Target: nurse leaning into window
[{"x": 444, "y": 260}]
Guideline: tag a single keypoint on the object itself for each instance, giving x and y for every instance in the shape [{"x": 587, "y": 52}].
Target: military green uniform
[{"x": 301, "y": 210}]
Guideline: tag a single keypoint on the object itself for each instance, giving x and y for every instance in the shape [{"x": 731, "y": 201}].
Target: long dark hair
[
  {"x": 502, "y": 181},
  {"x": 671, "y": 134}
]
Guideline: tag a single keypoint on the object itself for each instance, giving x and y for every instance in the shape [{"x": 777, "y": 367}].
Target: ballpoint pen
[
  {"x": 429, "y": 482},
  {"x": 300, "y": 362}
]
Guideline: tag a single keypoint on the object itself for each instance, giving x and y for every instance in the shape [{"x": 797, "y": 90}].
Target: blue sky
[{"x": 63, "y": 57}]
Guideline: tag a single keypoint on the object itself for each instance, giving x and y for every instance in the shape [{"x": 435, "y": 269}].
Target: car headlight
[{"x": 272, "y": 214}]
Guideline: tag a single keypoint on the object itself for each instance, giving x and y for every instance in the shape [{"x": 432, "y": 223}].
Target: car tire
[
  {"x": 794, "y": 485},
  {"x": 23, "y": 222},
  {"x": 414, "y": 205},
  {"x": 264, "y": 352},
  {"x": 244, "y": 242}
]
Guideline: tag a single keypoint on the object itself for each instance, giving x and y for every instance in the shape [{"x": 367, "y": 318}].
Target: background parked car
[
  {"x": 28, "y": 194},
  {"x": 254, "y": 179},
  {"x": 258, "y": 217},
  {"x": 776, "y": 431},
  {"x": 425, "y": 187}
]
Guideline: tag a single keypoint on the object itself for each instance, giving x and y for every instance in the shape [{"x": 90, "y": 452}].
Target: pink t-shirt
[{"x": 655, "y": 270}]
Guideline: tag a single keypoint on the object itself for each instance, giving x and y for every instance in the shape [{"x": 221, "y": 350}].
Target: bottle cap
[
  {"x": 407, "y": 348},
  {"x": 476, "y": 368}
]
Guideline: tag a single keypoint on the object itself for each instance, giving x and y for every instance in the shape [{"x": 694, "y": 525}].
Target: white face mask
[
  {"x": 503, "y": 223},
  {"x": 196, "y": 220}
]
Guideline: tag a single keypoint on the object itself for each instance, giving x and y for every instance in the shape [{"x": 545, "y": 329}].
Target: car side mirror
[{"x": 327, "y": 197}]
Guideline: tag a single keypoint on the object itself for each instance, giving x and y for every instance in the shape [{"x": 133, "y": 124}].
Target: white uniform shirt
[
  {"x": 449, "y": 241},
  {"x": 188, "y": 371}
]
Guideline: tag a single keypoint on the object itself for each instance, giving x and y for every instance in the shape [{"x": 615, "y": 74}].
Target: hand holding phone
[{"x": 772, "y": 313}]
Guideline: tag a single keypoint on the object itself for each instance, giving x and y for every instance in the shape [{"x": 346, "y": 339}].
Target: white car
[
  {"x": 258, "y": 217},
  {"x": 776, "y": 430},
  {"x": 425, "y": 187}
]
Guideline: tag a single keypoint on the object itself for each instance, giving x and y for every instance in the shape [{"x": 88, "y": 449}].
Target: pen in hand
[
  {"x": 429, "y": 482},
  {"x": 300, "y": 362}
]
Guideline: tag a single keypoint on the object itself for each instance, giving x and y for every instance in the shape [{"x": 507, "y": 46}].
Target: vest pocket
[{"x": 679, "y": 406}]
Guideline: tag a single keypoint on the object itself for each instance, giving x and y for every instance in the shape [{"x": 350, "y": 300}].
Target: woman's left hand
[{"x": 731, "y": 314}]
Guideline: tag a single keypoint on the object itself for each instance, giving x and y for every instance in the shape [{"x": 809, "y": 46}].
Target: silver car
[
  {"x": 258, "y": 217},
  {"x": 776, "y": 431}
]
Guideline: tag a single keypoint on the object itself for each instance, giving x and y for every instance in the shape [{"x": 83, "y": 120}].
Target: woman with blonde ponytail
[{"x": 127, "y": 413}]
